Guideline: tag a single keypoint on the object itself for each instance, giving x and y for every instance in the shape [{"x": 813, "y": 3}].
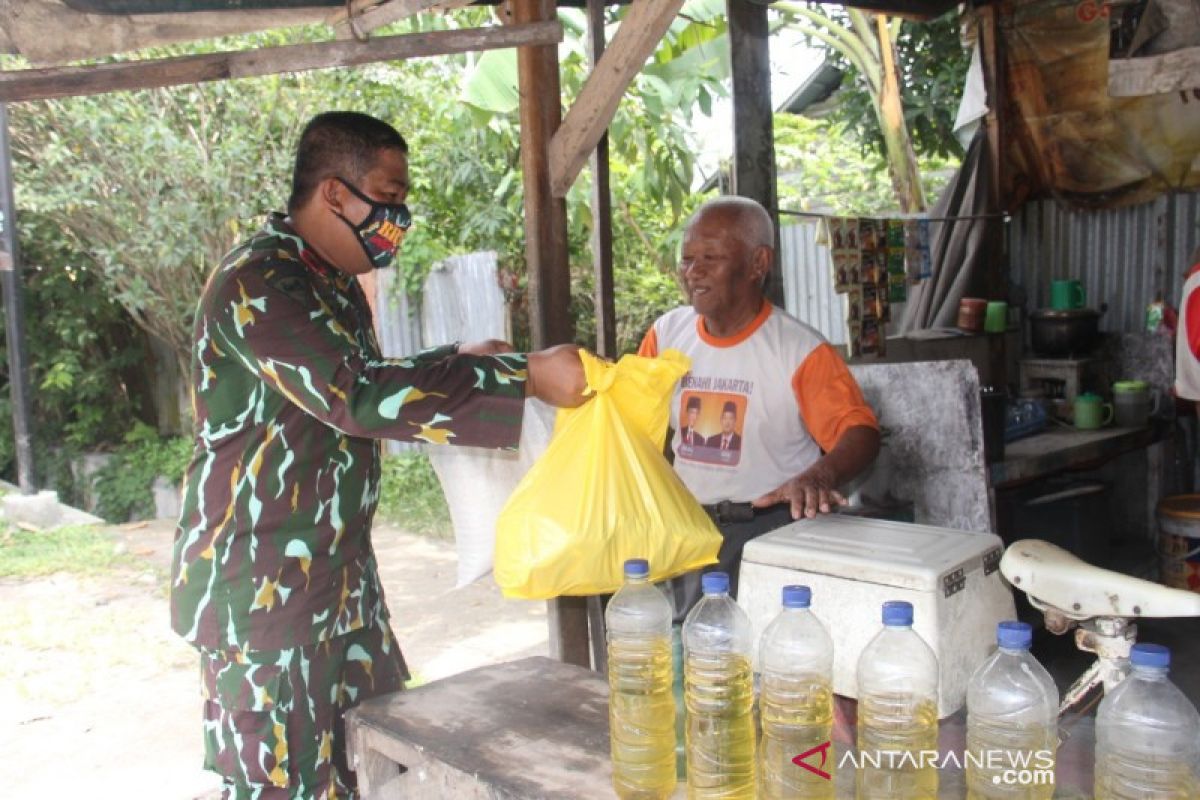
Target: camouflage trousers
[{"x": 274, "y": 721}]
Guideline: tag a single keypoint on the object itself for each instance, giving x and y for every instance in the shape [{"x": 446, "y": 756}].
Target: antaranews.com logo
[{"x": 1007, "y": 767}]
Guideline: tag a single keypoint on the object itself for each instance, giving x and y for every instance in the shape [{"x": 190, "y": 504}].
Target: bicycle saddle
[{"x": 1053, "y": 577}]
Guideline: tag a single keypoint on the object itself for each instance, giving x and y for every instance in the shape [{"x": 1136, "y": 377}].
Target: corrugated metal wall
[
  {"x": 398, "y": 323},
  {"x": 1126, "y": 257},
  {"x": 808, "y": 281}
]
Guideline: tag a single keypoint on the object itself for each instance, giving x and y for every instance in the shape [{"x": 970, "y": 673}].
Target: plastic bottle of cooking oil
[
  {"x": 641, "y": 706},
  {"x": 1147, "y": 734},
  {"x": 719, "y": 696},
  {"x": 897, "y": 712},
  {"x": 1012, "y": 722},
  {"x": 796, "y": 703}
]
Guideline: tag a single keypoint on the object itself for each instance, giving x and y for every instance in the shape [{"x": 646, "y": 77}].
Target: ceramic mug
[
  {"x": 1091, "y": 412},
  {"x": 995, "y": 318},
  {"x": 1133, "y": 403},
  {"x": 970, "y": 314},
  {"x": 1066, "y": 295}
]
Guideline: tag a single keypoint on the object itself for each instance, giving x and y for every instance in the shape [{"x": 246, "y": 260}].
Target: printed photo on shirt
[{"x": 710, "y": 427}]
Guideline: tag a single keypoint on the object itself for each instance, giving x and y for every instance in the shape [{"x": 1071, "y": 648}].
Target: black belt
[{"x": 729, "y": 511}]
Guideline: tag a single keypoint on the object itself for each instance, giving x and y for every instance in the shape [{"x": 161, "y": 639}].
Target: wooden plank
[
  {"x": 368, "y": 18},
  {"x": 640, "y": 32},
  {"x": 753, "y": 120},
  {"x": 601, "y": 239},
  {"x": 46, "y": 31},
  {"x": 39, "y": 84},
  {"x": 1177, "y": 71}
]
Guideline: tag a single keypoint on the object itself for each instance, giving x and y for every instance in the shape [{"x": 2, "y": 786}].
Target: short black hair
[
  {"x": 339, "y": 144},
  {"x": 730, "y": 407},
  {"x": 693, "y": 402}
]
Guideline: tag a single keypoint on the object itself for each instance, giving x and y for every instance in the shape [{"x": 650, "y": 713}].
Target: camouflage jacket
[{"x": 290, "y": 396}]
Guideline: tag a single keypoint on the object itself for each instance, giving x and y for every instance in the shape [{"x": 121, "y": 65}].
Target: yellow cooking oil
[
  {"x": 1120, "y": 777},
  {"x": 1010, "y": 763},
  {"x": 641, "y": 717},
  {"x": 719, "y": 698},
  {"x": 797, "y": 718},
  {"x": 897, "y": 748}
]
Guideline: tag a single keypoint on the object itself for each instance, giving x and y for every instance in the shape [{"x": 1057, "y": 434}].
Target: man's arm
[
  {"x": 816, "y": 489},
  {"x": 298, "y": 348}
]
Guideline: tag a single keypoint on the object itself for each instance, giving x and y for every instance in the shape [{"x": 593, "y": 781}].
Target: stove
[{"x": 1059, "y": 380}]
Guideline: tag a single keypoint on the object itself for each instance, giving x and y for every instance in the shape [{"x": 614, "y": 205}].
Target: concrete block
[
  {"x": 42, "y": 510},
  {"x": 167, "y": 500}
]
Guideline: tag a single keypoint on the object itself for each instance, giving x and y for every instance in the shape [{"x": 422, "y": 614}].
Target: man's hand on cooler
[
  {"x": 488, "y": 347},
  {"x": 812, "y": 492},
  {"x": 556, "y": 376}
]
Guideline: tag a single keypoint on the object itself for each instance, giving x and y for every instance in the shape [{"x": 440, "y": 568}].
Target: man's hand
[
  {"x": 812, "y": 492},
  {"x": 488, "y": 347},
  {"x": 556, "y": 376}
]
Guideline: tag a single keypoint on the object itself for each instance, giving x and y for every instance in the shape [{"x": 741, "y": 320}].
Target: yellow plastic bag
[{"x": 603, "y": 492}]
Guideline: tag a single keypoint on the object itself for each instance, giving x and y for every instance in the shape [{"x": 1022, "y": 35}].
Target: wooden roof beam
[
  {"x": 365, "y": 16},
  {"x": 573, "y": 143},
  {"x": 51, "y": 82}
]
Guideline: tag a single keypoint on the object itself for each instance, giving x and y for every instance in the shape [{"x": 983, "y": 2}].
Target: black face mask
[{"x": 381, "y": 233}]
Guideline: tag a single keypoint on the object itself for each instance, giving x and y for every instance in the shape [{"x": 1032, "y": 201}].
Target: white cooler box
[{"x": 952, "y": 578}]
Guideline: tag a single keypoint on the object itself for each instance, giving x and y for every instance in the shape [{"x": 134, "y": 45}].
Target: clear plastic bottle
[
  {"x": 641, "y": 705},
  {"x": 897, "y": 712},
  {"x": 1147, "y": 734},
  {"x": 719, "y": 695},
  {"x": 796, "y": 702},
  {"x": 1012, "y": 722}
]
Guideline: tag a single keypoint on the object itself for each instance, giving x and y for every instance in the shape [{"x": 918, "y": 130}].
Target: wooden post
[
  {"x": 14, "y": 315},
  {"x": 545, "y": 216},
  {"x": 996, "y": 265},
  {"x": 546, "y": 259},
  {"x": 606, "y": 315},
  {"x": 753, "y": 124}
]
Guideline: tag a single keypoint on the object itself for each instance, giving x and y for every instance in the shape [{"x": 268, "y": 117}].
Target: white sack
[{"x": 477, "y": 483}]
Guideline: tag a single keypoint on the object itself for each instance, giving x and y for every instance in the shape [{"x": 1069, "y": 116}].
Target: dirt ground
[{"x": 98, "y": 698}]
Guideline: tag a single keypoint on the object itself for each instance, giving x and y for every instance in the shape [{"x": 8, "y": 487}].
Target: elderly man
[
  {"x": 273, "y": 576},
  {"x": 804, "y": 429}
]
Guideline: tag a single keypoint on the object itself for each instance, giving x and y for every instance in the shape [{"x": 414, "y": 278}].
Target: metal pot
[{"x": 1062, "y": 333}]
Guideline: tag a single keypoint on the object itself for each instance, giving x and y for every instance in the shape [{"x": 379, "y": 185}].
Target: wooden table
[
  {"x": 529, "y": 729},
  {"x": 537, "y": 729},
  {"x": 1059, "y": 449}
]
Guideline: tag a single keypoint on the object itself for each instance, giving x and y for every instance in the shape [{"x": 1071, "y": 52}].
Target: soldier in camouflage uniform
[{"x": 273, "y": 577}]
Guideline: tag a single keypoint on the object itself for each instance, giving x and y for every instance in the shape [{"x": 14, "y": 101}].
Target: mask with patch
[{"x": 381, "y": 233}]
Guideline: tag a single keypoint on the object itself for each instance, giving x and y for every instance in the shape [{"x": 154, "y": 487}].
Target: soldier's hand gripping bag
[{"x": 603, "y": 492}]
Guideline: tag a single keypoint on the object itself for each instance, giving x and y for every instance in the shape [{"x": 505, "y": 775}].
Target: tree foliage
[
  {"x": 932, "y": 65},
  {"x": 823, "y": 169}
]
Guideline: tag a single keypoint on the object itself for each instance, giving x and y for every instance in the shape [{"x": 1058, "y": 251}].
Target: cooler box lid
[{"x": 876, "y": 551}]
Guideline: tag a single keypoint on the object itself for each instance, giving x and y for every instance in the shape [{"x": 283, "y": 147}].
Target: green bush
[
  {"x": 411, "y": 496},
  {"x": 124, "y": 486}
]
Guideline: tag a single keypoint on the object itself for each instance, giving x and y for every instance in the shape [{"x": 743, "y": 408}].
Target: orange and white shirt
[
  {"x": 758, "y": 407},
  {"x": 1187, "y": 339}
]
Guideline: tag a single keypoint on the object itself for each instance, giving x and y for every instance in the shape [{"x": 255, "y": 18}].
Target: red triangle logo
[{"x": 823, "y": 749}]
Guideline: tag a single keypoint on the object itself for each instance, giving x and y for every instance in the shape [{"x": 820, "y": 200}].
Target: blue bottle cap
[
  {"x": 1150, "y": 655},
  {"x": 897, "y": 612},
  {"x": 637, "y": 568},
  {"x": 714, "y": 582},
  {"x": 797, "y": 597},
  {"x": 1013, "y": 635}
]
